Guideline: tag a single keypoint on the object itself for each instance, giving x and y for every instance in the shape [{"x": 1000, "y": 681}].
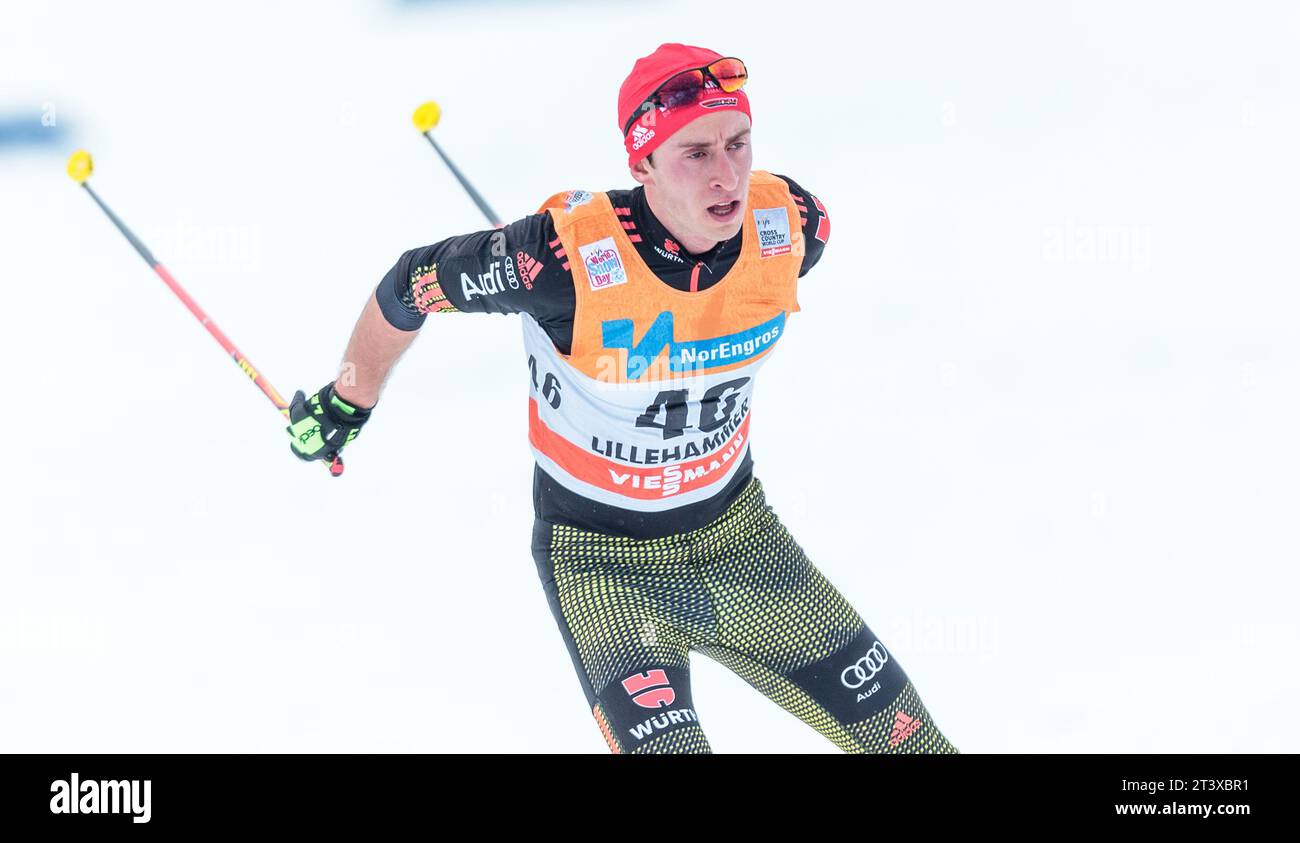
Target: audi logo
[{"x": 861, "y": 671}]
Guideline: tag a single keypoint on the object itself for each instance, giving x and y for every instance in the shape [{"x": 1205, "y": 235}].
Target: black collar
[{"x": 661, "y": 251}]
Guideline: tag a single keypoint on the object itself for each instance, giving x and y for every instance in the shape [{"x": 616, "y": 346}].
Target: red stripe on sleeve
[{"x": 824, "y": 224}]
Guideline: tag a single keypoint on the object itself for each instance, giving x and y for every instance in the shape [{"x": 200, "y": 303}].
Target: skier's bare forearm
[{"x": 373, "y": 349}]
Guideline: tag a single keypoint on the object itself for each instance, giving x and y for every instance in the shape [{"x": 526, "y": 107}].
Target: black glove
[{"x": 321, "y": 425}]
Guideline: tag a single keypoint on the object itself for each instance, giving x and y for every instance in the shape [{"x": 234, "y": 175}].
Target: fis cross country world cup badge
[{"x": 773, "y": 225}]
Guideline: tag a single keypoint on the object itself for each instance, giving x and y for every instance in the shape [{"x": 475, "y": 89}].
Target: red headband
[{"x": 651, "y": 71}]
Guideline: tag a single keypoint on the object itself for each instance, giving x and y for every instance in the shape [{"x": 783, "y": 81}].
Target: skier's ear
[{"x": 642, "y": 170}]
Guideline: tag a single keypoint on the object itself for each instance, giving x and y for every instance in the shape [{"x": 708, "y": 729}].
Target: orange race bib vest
[{"x": 650, "y": 409}]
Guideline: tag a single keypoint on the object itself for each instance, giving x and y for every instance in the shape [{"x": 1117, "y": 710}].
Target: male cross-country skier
[{"x": 647, "y": 314}]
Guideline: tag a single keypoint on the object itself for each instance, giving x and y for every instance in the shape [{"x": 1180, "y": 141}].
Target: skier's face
[{"x": 699, "y": 181}]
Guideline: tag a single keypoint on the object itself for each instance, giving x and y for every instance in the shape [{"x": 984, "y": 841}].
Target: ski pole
[
  {"x": 425, "y": 118},
  {"x": 80, "y": 166}
]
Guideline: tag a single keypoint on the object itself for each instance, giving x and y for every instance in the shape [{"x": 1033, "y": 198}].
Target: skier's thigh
[{"x": 649, "y": 710}]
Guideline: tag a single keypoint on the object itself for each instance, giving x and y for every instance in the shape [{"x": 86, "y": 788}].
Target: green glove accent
[{"x": 321, "y": 425}]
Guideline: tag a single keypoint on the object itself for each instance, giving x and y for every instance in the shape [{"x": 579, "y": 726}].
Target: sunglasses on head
[{"x": 689, "y": 86}]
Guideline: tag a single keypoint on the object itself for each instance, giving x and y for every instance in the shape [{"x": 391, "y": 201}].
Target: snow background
[{"x": 1059, "y": 482}]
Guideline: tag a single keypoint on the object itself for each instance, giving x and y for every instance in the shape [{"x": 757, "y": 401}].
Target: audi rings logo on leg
[{"x": 861, "y": 671}]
